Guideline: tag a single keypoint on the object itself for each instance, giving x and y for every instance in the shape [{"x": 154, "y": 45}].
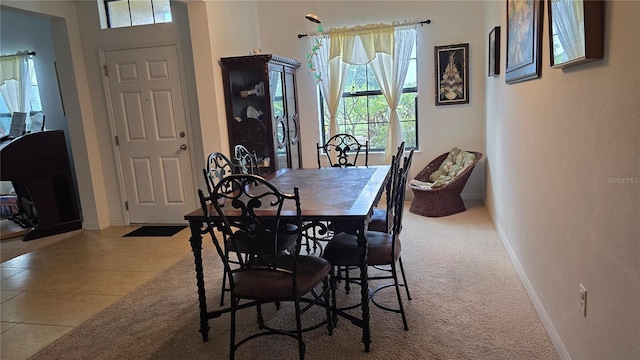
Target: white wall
[
  {"x": 440, "y": 127},
  {"x": 563, "y": 187},
  {"x": 216, "y": 32},
  {"x": 74, "y": 90},
  {"x": 20, "y": 31},
  {"x": 35, "y": 36}
]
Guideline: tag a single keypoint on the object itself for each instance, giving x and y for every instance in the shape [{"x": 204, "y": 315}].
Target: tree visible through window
[{"x": 364, "y": 113}]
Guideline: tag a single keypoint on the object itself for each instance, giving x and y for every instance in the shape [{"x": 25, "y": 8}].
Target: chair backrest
[
  {"x": 253, "y": 241},
  {"x": 399, "y": 194},
  {"x": 395, "y": 166},
  {"x": 218, "y": 167},
  {"x": 345, "y": 148},
  {"x": 246, "y": 161}
]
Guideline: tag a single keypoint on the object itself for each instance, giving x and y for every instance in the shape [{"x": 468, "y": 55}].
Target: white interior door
[{"x": 149, "y": 114}]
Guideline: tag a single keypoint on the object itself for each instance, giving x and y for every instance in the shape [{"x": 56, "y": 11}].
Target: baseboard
[
  {"x": 544, "y": 317},
  {"x": 471, "y": 196}
]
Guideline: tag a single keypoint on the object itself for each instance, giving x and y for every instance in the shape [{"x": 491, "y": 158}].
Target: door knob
[{"x": 183, "y": 146}]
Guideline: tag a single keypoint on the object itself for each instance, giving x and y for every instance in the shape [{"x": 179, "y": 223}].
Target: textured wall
[{"x": 563, "y": 187}]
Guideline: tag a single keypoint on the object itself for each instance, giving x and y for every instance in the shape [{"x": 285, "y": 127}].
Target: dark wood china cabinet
[{"x": 262, "y": 108}]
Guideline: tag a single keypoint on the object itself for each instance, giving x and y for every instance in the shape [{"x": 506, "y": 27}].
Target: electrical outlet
[{"x": 583, "y": 300}]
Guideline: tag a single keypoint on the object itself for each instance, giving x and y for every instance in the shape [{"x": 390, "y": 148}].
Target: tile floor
[{"x": 49, "y": 290}]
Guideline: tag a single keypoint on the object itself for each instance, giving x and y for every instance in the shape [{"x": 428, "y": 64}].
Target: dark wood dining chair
[
  {"x": 218, "y": 166},
  {"x": 382, "y": 218},
  {"x": 383, "y": 252},
  {"x": 342, "y": 150},
  {"x": 246, "y": 161},
  {"x": 263, "y": 273}
]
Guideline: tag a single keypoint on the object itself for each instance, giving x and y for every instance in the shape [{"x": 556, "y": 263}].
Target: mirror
[{"x": 576, "y": 31}]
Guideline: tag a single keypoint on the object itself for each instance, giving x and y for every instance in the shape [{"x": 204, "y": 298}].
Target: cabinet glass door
[
  {"x": 279, "y": 119},
  {"x": 293, "y": 123}
]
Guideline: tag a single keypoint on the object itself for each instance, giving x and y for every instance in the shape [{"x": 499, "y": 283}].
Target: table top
[{"x": 329, "y": 193}]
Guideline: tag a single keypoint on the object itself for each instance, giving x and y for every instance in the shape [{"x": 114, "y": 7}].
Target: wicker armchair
[{"x": 444, "y": 200}]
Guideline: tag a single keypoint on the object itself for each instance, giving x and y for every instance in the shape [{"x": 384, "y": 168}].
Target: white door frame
[{"x": 112, "y": 122}]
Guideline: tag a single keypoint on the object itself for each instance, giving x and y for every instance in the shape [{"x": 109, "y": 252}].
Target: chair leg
[
  {"x": 397, "y": 286},
  {"x": 334, "y": 305},
  {"x": 299, "y": 329},
  {"x": 404, "y": 278},
  {"x": 325, "y": 288},
  {"x": 347, "y": 280},
  {"x": 232, "y": 336},
  {"x": 224, "y": 285},
  {"x": 259, "y": 313}
]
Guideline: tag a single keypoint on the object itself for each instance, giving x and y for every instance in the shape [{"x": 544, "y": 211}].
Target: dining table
[{"x": 341, "y": 197}]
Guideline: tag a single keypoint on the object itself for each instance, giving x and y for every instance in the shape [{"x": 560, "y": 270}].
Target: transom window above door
[{"x": 124, "y": 13}]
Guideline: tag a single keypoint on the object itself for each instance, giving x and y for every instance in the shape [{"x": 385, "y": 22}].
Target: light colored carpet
[{"x": 468, "y": 303}]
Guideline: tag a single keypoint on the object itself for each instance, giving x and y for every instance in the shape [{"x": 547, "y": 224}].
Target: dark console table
[{"x": 38, "y": 166}]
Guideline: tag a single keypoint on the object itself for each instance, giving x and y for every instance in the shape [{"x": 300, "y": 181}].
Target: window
[
  {"x": 36, "y": 106},
  {"x": 123, "y": 13},
  {"x": 364, "y": 113}
]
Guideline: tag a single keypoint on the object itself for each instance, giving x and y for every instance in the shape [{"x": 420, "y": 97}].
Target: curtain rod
[
  {"x": 428, "y": 21},
  {"x": 32, "y": 53}
]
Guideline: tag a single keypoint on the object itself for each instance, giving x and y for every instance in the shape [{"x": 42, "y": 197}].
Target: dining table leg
[
  {"x": 196, "y": 247},
  {"x": 364, "y": 279}
]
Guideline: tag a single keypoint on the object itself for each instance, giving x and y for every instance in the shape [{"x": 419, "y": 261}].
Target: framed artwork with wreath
[{"x": 452, "y": 74}]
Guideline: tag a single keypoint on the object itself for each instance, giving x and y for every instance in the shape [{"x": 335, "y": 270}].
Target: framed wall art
[
  {"x": 524, "y": 40},
  {"x": 494, "y": 51},
  {"x": 452, "y": 74},
  {"x": 576, "y": 31}
]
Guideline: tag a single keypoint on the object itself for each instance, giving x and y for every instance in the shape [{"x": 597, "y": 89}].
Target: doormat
[{"x": 156, "y": 231}]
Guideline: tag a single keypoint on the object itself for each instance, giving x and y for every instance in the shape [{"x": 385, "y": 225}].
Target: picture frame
[
  {"x": 524, "y": 40},
  {"x": 452, "y": 74},
  {"x": 576, "y": 31},
  {"x": 494, "y": 51}
]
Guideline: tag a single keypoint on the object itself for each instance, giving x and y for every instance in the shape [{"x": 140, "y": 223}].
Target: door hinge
[
  {"x": 106, "y": 70},
  {"x": 126, "y": 205},
  {"x": 117, "y": 141}
]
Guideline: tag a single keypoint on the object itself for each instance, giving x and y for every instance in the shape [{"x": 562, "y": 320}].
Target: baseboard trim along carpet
[{"x": 156, "y": 230}]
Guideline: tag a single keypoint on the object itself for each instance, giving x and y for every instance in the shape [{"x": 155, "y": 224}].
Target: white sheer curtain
[
  {"x": 387, "y": 47},
  {"x": 15, "y": 82},
  {"x": 15, "y": 87},
  {"x": 568, "y": 23},
  {"x": 332, "y": 75},
  {"x": 390, "y": 72}
]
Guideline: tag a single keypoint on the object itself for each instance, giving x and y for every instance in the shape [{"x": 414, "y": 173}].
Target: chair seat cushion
[
  {"x": 455, "y": 163},
  {"x": 342, "y": 250},
  {"x": 261, "y": 283},
  {"x": 378, "y": 221}
]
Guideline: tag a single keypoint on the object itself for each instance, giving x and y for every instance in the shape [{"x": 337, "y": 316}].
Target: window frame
[
  {"x": 107, "y": 14},
  {"x": 6, "y": 116},
  {"x": 367, "y": 94}
]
